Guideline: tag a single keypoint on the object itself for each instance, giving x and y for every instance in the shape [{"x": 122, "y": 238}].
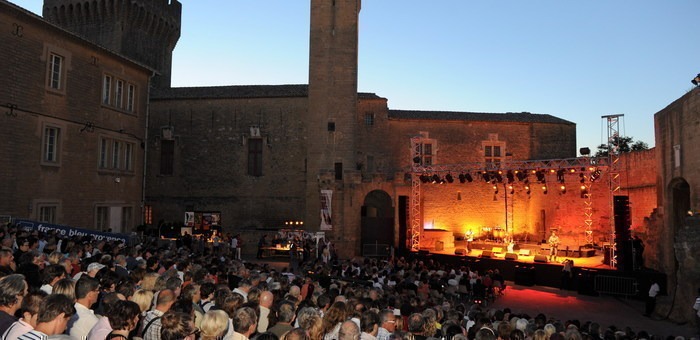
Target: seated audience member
[
  {"x": 54, "y": 314},
  {"x": 29, "y": 313}
]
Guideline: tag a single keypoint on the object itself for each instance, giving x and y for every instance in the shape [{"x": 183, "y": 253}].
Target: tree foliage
[{"x": 621, "y": 145}]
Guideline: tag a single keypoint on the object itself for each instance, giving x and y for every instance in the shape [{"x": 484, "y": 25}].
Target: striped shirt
[{"x": 33, "y": 335}]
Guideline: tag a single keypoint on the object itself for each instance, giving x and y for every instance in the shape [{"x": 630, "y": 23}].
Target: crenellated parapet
[{"x": 144, "y": 30}]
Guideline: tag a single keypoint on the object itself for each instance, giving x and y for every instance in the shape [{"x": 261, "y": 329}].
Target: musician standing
[
  {"x": 469, "y": 235},
  {"x": 553, "y": 246}
]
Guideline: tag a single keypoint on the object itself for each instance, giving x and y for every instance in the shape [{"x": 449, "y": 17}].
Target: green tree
[{"x": 623, "y": 144}]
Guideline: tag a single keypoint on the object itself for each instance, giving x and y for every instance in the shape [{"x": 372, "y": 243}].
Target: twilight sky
[{"x": 577, "y": 60}]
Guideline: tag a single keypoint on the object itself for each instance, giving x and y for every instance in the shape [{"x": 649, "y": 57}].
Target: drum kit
[{"x": 498, "y": 234}]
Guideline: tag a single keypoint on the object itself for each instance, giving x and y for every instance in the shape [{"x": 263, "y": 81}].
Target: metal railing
[{"x": 616, "y": 285}]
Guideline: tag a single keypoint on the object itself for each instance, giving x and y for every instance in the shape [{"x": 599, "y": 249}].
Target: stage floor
[{"x": 526, "y": 253}]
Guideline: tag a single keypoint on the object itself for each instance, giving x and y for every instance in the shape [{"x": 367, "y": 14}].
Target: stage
[{"x": 528, "y": 265}]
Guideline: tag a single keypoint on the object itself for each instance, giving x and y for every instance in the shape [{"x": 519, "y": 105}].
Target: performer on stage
[
  {"x": 509, "y": 242},
  {"x": 469, "y": 236},
  {"x": 553, "y": 246}
]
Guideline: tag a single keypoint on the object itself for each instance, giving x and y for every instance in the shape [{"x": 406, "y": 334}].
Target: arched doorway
[{"x": 377, "y": 224}]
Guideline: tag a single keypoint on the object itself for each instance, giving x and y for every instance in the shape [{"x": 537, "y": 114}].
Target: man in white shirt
[
  {"x": 369, "y": 324},
  {"x": 651, "y": 299},
  {"x": 87, "y": 289},
  {"x": 388, "y": 324},
  {"x": 266, "y": 301}
]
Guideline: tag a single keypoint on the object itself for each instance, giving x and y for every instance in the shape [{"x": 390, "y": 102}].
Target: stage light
[
  {"x": 436, "y": 179},
  {"x": 595, "y": 175},
  {"x": 510, "y": 176},
  {"x": 583, "y": 178},
  {"x": 495, "y": 189},
  {"x": 499, "y": 178},
  {"x": 486, "y": 176},
  {"x": 544, "y": 189},
  {"x": 584, "y": 151},
  {"x": 468, "y": 177},
  {"x": 527, "y": 189},
  {"x": 522, "y": 175},
  {"x": 572, "y": 170},
  {"x": 540, "y": 176},
  {"x": 416, "y": 160},
  {"x": 462, "y": 178},
  {"x": 560, "y": 175},
  {"x": 584, "y": 191},
  {"x": 424, "y": 178},
  {"x": 449, "y": 178},
  {"x": 562, "y": 189},
  {"x": 512, "y": 190}
]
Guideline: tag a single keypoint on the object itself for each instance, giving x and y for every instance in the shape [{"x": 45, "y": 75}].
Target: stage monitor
[
  {"x": 541, "y": 258},
  {"x": 487, "y": 254},
  {"x": 512, "y": 256},
  {"x": 460, "y": 251}
]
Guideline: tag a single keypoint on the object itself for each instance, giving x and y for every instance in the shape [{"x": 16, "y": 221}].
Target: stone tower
[
  {"x": 143, "y": 30},
  {"x": 332, "y": 106}
]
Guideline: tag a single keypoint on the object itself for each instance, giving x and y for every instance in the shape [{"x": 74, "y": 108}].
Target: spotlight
[
  {"x": 436, "y": 179},
  {"x": 449, "y": 178},
  {"x": 527, "y": 189},
  {"x": 696, "y": 80},
  {"x": 486, "y": 176},
  {"x": 584, "y": 191},
  {"x": 462, "y": 178},
  {"x": 595, "y": 175},
  {"x": 499, "y": 178},
  {"x": 560, "y": 175},
  {"x": 540, "y": 176},
  {"x": 522, "y": 175},
  {"x": 582, "y": 177},
  {"x": 584, "y": 151},
  {"x": 562, "y": 189},
  {"x": 468, "y": 177},
  {"x": 512, "y": 190},
  {"x": 495, "y": 189},
  {"x": 510, "y": 176},
  {"x": 544, "y": 189},
  {"x": 424, "y": 178},
  {"x": 416, "y": 160}
]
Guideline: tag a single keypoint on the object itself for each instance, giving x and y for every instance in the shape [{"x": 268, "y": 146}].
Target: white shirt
[
  {"x": 16, "y": 329},
  {"x": 263, "y": 322},
  {"x": 82, "y": 322},
  {"x": 654, "y": 290},
  {"x": 100, "y": 330}
]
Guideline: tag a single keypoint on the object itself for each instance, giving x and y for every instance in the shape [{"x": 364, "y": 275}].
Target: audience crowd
[{"x": 80, "y": 288}]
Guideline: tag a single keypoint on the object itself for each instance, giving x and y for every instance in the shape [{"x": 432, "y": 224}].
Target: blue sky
[{"x": 577, "y": 60}]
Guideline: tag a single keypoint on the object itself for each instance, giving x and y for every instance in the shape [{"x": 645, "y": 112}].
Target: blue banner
[{"x": 66, "y": 231}]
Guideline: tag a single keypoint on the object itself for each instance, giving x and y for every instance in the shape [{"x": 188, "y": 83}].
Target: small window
[
  {"x": 103, "y": 153},
  {"x": 338, "y": 171},
  {"x": 331, "y": 126},
  {"x": 127, "y": 213},
  {"x": 47, "y": 213},
  {"x": 493, "y": 152},
  {"x": 50, "y": 148},
  {"x": 255, "y": 147},
  {"x": 101, "y": 218},
  {"x": 128, "y": 162},
  {"x": 119, "y": 94},
  {"x": 116, "y": 146},
  {"x": 369, "y": 119},
  {"x": 130, "y": 98},
  {"x": 55, "y": 71},
  {"x": 148, "y": 214},
  {"x": 107, "y": 90}
]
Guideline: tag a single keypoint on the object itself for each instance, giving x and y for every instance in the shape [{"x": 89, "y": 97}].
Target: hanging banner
[{"x": 326, "y": 198}]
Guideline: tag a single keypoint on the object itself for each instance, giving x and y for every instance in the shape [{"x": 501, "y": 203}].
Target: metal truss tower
[{"x": 613, "y": 122}]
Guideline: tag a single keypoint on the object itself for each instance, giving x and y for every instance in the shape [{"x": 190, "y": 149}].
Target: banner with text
[
  {"x": 66, "y": 231},
  {"x": 326, "y": 198}
]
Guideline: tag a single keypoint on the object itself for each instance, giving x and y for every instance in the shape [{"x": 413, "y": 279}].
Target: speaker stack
[{"x": 541, "y": 258}]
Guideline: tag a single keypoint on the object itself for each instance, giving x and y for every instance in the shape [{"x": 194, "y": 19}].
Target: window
[
  {"x": 107, "y": 90},
  {"x": 148, "y": 214},
  {"x": 119, "y": 95},
  {"x": 127, "y": 213},
  {"x": 47, "y": 213},
  {"x": 338, "y": 171},
  {"x": 101, "y": 218},
  {"x": 130, "y": 98},
  {"x": 494, "y": 152},
  {"x": 424, "y": 149},
  {"x": 116, "y": 155},
  {"x": 369, "y": 119},
  {"x": 255, "y": 157},
  {"x": 55, "y": 71},
  {"x": 167, "y": 156},
  {"x": 50, "y": 148}
]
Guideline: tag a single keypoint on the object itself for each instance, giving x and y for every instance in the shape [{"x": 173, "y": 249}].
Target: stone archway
[{"x": 377, "y": 224}]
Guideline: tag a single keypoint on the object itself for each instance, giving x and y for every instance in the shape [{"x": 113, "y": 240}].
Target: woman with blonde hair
[
  {"x": 178, "y": 326},
  {"x": 313, "y": 324},
  {"x": 214, "y": 325},
  {"x": 143, "y": 299}
]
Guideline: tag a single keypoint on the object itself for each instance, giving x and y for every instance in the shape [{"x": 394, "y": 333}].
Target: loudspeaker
[
  {"x": 497, "y": 250},
  {"x": 541, "y": 258},
  {"x": 486, "y": 253},
  {"x": 512, "y": 256},
  {"x": 460, "y": 251},
  {"x": 524, "y": 252}
]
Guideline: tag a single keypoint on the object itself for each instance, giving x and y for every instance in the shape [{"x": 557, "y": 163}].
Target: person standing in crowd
[
  {"x": 696, "y": 307},
  {"x": 54, "y": 314},
  {"x": 13, "y": 288},
  {"x": 388, "y": 324},
  {"x": 152, "y": 322},
  {"x": 29, "y": 312},
  {"x": 87, "y": 289},
  {"x": 7, "y": 262},
  {"x": 235, "y": 250},
  {"x": 651, "y": 298},
  {"x": 261, "y": 244}
]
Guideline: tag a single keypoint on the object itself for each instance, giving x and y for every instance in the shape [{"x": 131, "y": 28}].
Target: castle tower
[
  {"x": 332, "y": 105},
  {"x": 143, "y": 30}
]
